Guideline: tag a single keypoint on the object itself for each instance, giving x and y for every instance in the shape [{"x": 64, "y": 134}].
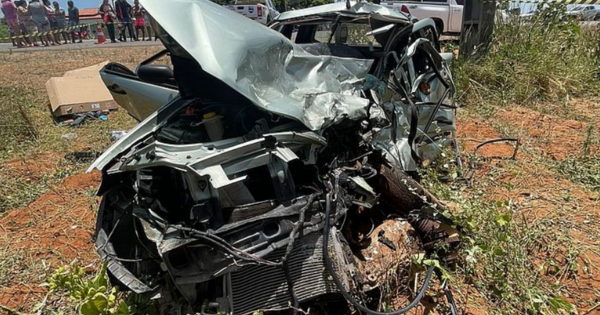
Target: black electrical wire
[
  {"x": 228, "y": 248},
  {"x": 240, "y": 254},
  {"x": 450, "y": 298},
  {"x": 339, "y": 285},
  {"x": 101, "y": 248},
  {"x": 471, "y": 171},
  {"x": 224, "y": 246}
]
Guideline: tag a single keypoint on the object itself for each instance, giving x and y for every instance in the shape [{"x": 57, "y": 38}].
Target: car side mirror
[{"x": 156, "y": 74}]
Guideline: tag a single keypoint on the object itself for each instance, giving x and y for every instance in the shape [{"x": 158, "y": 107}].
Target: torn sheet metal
[
  {"x": 340, "y": 8},
  {"x": 399, "y": 151},
  {"x": 435, "y": 119},
  {"x": 202, "y": 219},
  {"x": 262, "y": 65}
]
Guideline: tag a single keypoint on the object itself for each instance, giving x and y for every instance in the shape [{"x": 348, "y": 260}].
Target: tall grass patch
[
  {"x": 16, "y": 123},
  {"x": 544, "y": 57}
]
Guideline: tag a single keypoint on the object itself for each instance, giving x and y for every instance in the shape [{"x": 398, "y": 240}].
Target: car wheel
[{"x": 439, "y": 27}]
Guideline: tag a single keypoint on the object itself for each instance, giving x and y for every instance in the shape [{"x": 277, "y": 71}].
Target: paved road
[{"x": 87, "y": 44}]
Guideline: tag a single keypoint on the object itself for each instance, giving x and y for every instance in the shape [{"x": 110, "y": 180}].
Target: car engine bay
[{"x": 219, "y": 203}]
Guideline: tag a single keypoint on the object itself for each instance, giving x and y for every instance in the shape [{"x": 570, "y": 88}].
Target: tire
[{"x": 439, "y": 27}]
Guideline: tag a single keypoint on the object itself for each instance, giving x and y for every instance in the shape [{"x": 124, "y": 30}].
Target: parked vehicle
[
  {"x": 281, "y": 162},
  {"x": 447, "y": 14},
  {"x": 584, "y": 13},
  {"x": 262, "y": 11}
]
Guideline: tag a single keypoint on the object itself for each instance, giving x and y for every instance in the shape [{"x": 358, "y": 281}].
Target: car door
[
  {"x": 272, "y": 9},
  {"x": 415, "y": 8},
  {"x": 434, "y": 9},
  {"x": 456, "y": 16},
  {"x": 140, "y": 99}
]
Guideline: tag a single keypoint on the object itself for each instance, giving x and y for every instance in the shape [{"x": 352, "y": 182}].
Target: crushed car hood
[
  {"x": 263, "y": 65},
  {"x": 340, "y": 8}
]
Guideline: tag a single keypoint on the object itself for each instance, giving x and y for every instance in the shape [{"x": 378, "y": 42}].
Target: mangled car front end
[{"x": 257, "y": 185}]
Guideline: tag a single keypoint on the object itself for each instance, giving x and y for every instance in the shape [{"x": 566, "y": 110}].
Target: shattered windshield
[{"x": 351, "y": 33}]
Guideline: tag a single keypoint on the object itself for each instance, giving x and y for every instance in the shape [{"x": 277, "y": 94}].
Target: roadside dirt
[
  {"x": 551, "y": 136},
  {"x": 542, "y": 198},
  {"x": 30, "y": 168},
  {"x": 53, "y": 231}
]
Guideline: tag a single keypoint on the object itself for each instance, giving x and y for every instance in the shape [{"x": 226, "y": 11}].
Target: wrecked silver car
[{"x": 277, "y": 174}]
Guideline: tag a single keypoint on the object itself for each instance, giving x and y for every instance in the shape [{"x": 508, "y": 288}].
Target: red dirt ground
[
  {"x": 553, "y": 137},
  {"x": 540, "y": 194},
  {"x": 57, "y": 229}
]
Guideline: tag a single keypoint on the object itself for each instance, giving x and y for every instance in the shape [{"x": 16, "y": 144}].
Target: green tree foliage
[
  {"x": 3, "y": 30},
  {"x": 300, "y": 4}
]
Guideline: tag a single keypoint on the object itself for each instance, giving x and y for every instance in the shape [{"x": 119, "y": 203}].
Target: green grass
[
  {"x": 583, "y": 167},
  {"x": 507, "y": 257},
  {"x": 16, "y": 124},
  {"x": 24, "y": 187},
  {"x": 549, "y": 58},
  {"x": 4, "y": 33},
  {"x": 517, "y": 262},
  {"x": 583, "y": 170}
]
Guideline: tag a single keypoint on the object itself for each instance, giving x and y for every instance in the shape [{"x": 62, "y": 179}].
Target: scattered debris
[
  {"x": 117, "y": 134},
  {"x": 68, "y": 136},
  {"x": 79, "y": 119},
  {"x": 82, "y": 156}
]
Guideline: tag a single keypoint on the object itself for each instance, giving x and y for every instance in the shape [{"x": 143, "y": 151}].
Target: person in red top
[
  {"x": 110, "y": 17},
  {"x": 138, "y": 15}
]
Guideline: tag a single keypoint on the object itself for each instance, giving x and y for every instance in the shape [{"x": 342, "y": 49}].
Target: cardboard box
[
  {"x": 78, "y": 94},
  {"x": 87, "y": 71},
  {"x": 79, "y": 91}
]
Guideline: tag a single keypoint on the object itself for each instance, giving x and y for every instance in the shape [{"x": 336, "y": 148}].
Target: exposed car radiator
[{"x": 264, "y": 287}]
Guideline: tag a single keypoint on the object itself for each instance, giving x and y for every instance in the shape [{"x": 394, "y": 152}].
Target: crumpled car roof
[
  {"x": 264, "y": 66},
  {"x": 360, "y": 8}
]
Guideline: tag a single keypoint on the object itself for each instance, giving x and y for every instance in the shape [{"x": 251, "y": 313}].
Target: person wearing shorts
[
  {"x": 26, "y": 23},
  {"x": 61, "y": 21},
  {"x": 139, "y": 22},
  {"x": 51, "y": 14},
  {"x": 9, "y": 9},
  {"x": 39, "y": 15}
]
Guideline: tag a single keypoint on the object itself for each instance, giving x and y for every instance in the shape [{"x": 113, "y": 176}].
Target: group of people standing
[
  {"x": 126, "y": 17},
  {"x": 28, "y": 20},
  {"x": 31, "y": 21}
]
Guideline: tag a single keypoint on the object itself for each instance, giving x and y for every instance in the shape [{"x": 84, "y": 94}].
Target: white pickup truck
[
  {"x": 447, "y": 14},
  {"x": 262, "y": 11}
]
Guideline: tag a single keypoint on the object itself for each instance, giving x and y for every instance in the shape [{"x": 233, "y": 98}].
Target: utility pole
[{"x": 477, "y": 26}]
